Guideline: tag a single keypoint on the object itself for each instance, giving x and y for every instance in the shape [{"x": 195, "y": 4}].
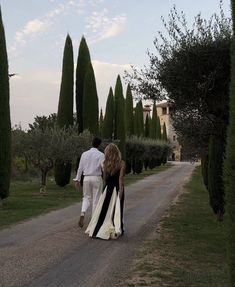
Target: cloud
[
  {"x": 32, "y": 28},
  {"x": 104, "y": 27}
]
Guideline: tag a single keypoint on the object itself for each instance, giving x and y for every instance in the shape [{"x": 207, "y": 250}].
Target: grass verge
[
  {"x": 25, "y": 201},
  {"x": 188, "y": 247}
]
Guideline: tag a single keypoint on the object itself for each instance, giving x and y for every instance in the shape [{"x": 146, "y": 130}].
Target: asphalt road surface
[{"x": 52, "y": 251}]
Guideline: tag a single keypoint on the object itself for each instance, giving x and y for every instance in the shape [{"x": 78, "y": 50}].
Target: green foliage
[
  {"x": 204, "y": 164},
  {"x": 90, "y": 103},
  {"x": 108, "y": 126},
  {"x": 229, "y": 165},
  {"x": 43, "y": 122},
  {"x": 43, "y": 148},
  {"x": 83, "y": 62},
  {"x": 129, "y": 112},
  {"x": 140, "y": 150},
  {"x": 62, "y": 170},
  {"x": 5, "y": 121},
  {"x": 215, "y": 180}
]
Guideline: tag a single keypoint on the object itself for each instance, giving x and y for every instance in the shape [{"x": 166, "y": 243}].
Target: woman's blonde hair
[{"x": 112, "y": 161}]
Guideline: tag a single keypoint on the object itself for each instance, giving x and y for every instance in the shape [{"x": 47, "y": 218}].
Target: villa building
[{"x": 164, "y": 111}]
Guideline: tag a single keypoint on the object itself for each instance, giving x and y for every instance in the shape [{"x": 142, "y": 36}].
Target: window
[
  {"x": 164, "y": 111},
  {"x": 174, "y": 138}
]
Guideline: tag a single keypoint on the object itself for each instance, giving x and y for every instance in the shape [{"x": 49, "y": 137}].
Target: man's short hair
[{"x": 96, "y": 142}]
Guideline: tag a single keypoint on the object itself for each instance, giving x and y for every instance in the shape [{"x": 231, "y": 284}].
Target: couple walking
[{"x": 103, "y": 188}]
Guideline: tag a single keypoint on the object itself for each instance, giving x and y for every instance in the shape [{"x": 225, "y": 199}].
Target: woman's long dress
[{"x": 107, "y": 219}]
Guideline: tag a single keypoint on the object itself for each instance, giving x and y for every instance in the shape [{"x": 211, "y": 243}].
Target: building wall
[{"x": 163, "y": 111}]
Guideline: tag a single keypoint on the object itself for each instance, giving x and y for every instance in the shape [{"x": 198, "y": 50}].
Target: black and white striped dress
[{"x": 107, "y": 219}]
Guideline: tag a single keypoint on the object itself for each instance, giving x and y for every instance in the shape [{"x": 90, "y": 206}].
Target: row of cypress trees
[
  {"x": 5, "y": 122},
  {"x": 86, "y": 99}
]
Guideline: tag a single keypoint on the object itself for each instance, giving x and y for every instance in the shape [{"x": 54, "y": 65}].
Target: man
[{"x": 90, "y": 166}]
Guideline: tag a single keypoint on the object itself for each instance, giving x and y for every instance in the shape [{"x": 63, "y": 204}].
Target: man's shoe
[{"x": 81, "y": 221}]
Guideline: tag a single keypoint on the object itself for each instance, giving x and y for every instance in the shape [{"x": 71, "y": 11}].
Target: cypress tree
[
  {"x": 164, "y": 133},
  {"x": 5, "y": 121},
  {"x": 118, "y": 93},
  {"x": 158, "y": 132},
  {"x": 90, "y": 103},
  {"x": 83, "y": 62},
  {"x": 119, "y": 119},
  {"x": 229, "y": 166},
  {"x": 215, "y": 180},
  {"x": 101, "y": 123},
  {"x": 129, "y": 112},
  {"x": 147, "y": 126},
  {"x": 153, "y": 127},
  {"x": 65, "y": 108},
  {"x": 108, "y": 125},
  {"x": 139, "y": 120}
]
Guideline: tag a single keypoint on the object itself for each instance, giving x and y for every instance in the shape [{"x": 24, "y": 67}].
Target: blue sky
[{"x": 118, "y": 33}]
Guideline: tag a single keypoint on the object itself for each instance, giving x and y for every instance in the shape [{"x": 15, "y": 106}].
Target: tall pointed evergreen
[
  {"x": 65, "y": 108},
  {"x": 118, "y": 93},
  {"x": 164, "y": 133},
  {"x": 90, "y": 103},
  {"x": 229, "y": 166},
  {"x": 119, "y": 119},
  {"x": 158, "y": 132},
  {"x": 139, "y": 120},
  {"x": 153, "y": 127},
  {"x": 101, "y": 123},
  {"x": 5, "y": 121},
  {"x": 147, "y": 127},
  {"x": 108, "y": 125},
  {"x": 83, "y": 62},
  {"x": 129, "y": 112}
]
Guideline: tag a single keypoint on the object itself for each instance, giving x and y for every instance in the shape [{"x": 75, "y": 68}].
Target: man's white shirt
[{"x": 90, "y": 163}]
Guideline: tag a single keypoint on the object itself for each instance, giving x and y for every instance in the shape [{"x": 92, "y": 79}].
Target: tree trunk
[{"x": 43, "y": 181}]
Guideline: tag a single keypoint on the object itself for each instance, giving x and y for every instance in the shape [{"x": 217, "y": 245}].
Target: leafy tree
[
  {"x": 5, "y": 121},
  {"x": 62, "y": 170},
  {"x": 229, "y": 167},
  {"x": 83, "y": 62},
  {"x": 43, "y": 122},
  {"x": 90, "y": 103},
  {"x": 108, "y": 126},
  {"x": 191, "y": 68},
  {"x": 42, "y": 148},
  {"x": 129, "y": 112}
]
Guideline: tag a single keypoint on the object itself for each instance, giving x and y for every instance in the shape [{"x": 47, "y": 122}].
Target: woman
[{"x": 107, "y": 219}]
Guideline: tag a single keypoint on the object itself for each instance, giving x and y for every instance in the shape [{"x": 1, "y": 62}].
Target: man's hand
[{"x": 77, "y": 184}]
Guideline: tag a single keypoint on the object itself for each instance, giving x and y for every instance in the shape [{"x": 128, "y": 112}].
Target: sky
[{"x": 118, "y": 34}]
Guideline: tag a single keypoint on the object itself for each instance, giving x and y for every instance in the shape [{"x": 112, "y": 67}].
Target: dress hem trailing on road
[{"x": 106, "y": 222}]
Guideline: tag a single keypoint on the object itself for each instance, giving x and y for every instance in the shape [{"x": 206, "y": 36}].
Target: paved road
[{"x": 51, "y": 251}]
